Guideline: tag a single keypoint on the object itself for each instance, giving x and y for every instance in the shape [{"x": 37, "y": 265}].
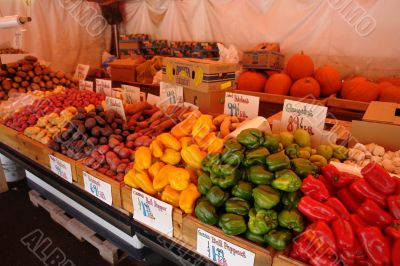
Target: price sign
[
  {"x": 309, "y": 117},
  {"x": 153, "y": 99},
  {"x": 130, "y": 94},
  {"x": 170, "y": 93},
  {"x": 222, "y": 252},
  {"x": 85, "y": 85},
  {"x": 61, "y": 168},
  {"x": 104, "y": 86},
  {"x": 97, "y": 188},
  {"x": 241, "y": 105},
  {"x": 81, "y": 72},
  {"x": 152, "y": 212},
  {"x": 116, "y": 105}
]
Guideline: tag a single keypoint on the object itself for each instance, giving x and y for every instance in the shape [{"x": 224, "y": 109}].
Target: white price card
[
  {"x": 85, "y": 85},
  {"x": 97, "y": 188},
  {"x": 104, "y": 86},
  {"x": 170, "y": 93},
  {"x": 152, "y": 212},
  {"x": 81, "y": 72},
  {"x": 130, "y": 94},
  {"x": 153, "y": 99},
  {"x": 241, "y": 105},
  {"x": 116, "y": 105},
  {"x": 221, "y": 251},
  {"x": 309, "y": 117},
  {"x": 61, "y": 168}
]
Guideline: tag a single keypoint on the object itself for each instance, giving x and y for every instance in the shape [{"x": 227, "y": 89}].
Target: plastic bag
[
  {"x": 228, "y": 55},
  {"x": 15, "y": 103}
]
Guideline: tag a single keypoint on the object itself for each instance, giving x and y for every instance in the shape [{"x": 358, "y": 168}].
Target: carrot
[
  {"x": 155, "y": 116},
  {"x": 150, "y": 112},
  {"x": 224, "y": 128},
  {"x": 131, "y": 109}
]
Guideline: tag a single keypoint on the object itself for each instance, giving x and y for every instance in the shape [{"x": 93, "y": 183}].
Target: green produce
[
  {"x": 271, "y": 142},
  {"x": 216, "y": 196},
  {"x": 232, "y": 157},
  {"x": 291, "y": 219},
  {"x": 286, "y": 180},
  {"x": 291, "y": 199},
  {"x": 325, "y": 150},
  {"x": 255, "y": 156},
  {"x": 292, "y": 150},
  {"x": 254, "y": 237},
  {"x": 259, "y": 175},
  {"x": 206, "y": 212},
  {"x": 278, "y": 239},
  {"x": 262, "y": 221},
  {"x": 340, "y": 152},
  {"x": 318, "y": 160},
  {"x": 226, "y": 181},
  {"x": 286, "y": 138},
  {"x": 243, "y": 190},
  {"x": 251, "y": 138},
  {"x": 238, "y": 206},
  {"x": 304, "y": 153},
  {"x": 210, "y": 160},
  {"x": 204, "y": 183},
  {"x": 277, "y": 161},
  {"x": 222, "y": 169},
  {"x": 266, "y": 197},
  {"x": 304, "y": 167},
  {"x": 302, "y": 137},
  {"x": 232, "y": 145},
  {"x": 232, "y": 224}
]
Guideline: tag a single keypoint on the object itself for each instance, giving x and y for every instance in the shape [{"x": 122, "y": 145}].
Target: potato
[
  {"x": 117, "y": 131},
  {"x": 81, "y": 129},
  {"x": 114, "y": 125},
  {"x": 21, "y": 74},
  {"x": 103, "y": 149},
  {"x": 91, "y": 114},
  {"x": 45, "y": 140},
  {"x": 24, "y": 84},
  {"x": 17, "y": 79},
  {"x": 54, "y": 146},
  {"x": 121, "y": 168},
  {"x": 103, "y": 140},
  {"x": 112, "y": 142},
  {"x": 29, "y": 131},
  {"x": 102, "y": 170},
  {"x": 143, "y": 141},
  {"x": 118, "y": 148},
  {"x": 76, "y": 136},
  {"x": 130, "y": 144},
  {"x": 89, "y": 161},
  {"x": 92, "y": 141},
  {"x": 42, "y": 121},
  {"x": 110, "y": 173},
  {"x": 27, "y": 67},
  {"x": 109, "y": 117},
  {"x": 106, "y": 132},
  {"x": 100, "y": 121},
  {"x": 95, "y": 131},
  {"x": 118, "y": 137}
]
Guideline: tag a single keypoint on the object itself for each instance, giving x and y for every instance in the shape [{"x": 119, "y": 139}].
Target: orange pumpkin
[
  {"x": 300, "y": 66},
  {"x": 305, "y": 87},
  {"x": 252, "y": 81},
  {"x": 349, "y": 83},
  {"x": 383, "y": 84},
  {"x": 329, "y": 80},
  {"x": 390, "y": 94},
  {"x": 394, "y": 80},
  {"x": 278, "y": 84},
  {"x": 364, "y": 91}
]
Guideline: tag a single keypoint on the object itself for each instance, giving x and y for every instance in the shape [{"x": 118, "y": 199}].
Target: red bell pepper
[
  {"x": 345, "y": 179},
  {"x": 365, "y": 262},
  {"x": 396, "y": 253},
  {"x": 358, "y": 250},
  {"x": 344, "y": 233},
  {"x": 372, "y": 214},
  {"x": 315, "y": 210},
  {"x": 394, "y": 206},
  {"x": 320, "y": 235},
  {"x": 324, "y": 261},
  {"x": 348, "y": 199},
  {"x": 397, "y": 180},
  {"x": 356, "y": 221},
  {"x": 347, "y": 257},
  {"x": 338, "y": 206},
  {"x": 393, "y": 230},
  {"x": 328, "y": 184},
  {"x": 330, "y": 172},
  {"x": 379, "y": 178},
  {"x": 374, "y": 245},
  {"x": 314, "y": 188},
  {"x": 363, "y": 190},
  {"x": 301, "y": 249}
]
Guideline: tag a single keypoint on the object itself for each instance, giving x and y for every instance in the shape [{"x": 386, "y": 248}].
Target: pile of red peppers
[{"x": 354, "y": 220}]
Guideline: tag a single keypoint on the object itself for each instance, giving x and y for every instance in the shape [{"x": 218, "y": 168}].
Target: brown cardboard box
[
  {"x": 383, "y": 112},
  {"x": 264, "y": 56},
  {"x": 208, "y": 102},
  {"x": 123, "y": 70},
  {"x": 202, "y": 75}
]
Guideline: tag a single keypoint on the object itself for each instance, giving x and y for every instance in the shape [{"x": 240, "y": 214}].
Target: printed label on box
[
  {"x": 222, "y": 252},
  {"x": 130, "y": 94},
  {"x": 104, "y": 86},
  {"x": 85, "y": 85},
  {"x": 152, "y": 99},
  {"x": 116, "y": 105},
  {"x": 241, "y": 105},
  {"x": 152, "y": 212},
  {"x": 97, "y": 188},
  {"x": 61, "y": 168},
  {"x": 170, "y": 94},
  {"x": 81, "y": 72}
]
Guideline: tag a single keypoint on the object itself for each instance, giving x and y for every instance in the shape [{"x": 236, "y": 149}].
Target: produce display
[
  {"x": 225, "y": 124},
  {"x": 11, "y": 50}
]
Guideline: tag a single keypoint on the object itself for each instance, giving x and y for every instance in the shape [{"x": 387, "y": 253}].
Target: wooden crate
[
  {"x": 115, "y": 185},
  {"x": 9, "y": 137},
  {"x": 281, "y": 258},
  {"x": 347, "y": 104},
  {"x": 67, "y": 160},
  {"x": 34, "y": 150},
  {"x": 263, "y": 255}
]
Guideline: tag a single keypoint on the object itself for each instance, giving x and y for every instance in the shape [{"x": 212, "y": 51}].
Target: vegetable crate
[
  {"x": 68, "y": 160},
  {"x": 123, "y": 70},
  {"x": 282, "y": 258},
  {"x": 9, "y": 137},
  {"x": 34, "y": 150},
  {"x": 346, "y": 109}
]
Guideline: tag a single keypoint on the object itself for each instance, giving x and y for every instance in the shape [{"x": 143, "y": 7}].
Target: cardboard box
[
  {"x": 199, "y": 74},
  {"x": 123, "y": 70},
  {"x": 208, "y": 102},
  {"x": 383, "y": 112},
  {"x": 264, "y": 56},
  {"x": 129, "y": 44}
]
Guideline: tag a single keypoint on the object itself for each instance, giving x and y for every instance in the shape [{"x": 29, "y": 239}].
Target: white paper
[
  {"x": 152, "y": 212},
  {"x": 104, "y": 86},
  {"x": 81, "y": 72},
  {"x": 97, "y": 188},
  {"x": 152, "y": 99},
  {"x": 222, "y": 252},
  {"x": 170, "y": 93},
  {"x": 61, "y": 168},
  {"x": 116, "y": 105},
  {"x": 130, "y": 94},
  {"x": 241, "y": 105},
  {"x": 85, "y": 85}
]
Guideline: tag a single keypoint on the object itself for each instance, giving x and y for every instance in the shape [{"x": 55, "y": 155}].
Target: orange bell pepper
[
  {"x": 143, "y": 158},
  {"x": 171, "y": 196},
  {"x": 155, "y": 168},
  {"x": 157, "y": 148},
  {"x": 184, "y": 128},
  {"x": 179, "y": 178},
  {"x": 192, "y": 156},
  {"x": 169, "y": 141},
  {"x": 161, "y": 179},
  {"x": 142, "y": 179},
  {"x": 171, "y": 157},
  {"x": 188, "y": 197}
]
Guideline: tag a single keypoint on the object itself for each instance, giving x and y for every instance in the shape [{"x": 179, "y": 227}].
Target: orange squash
[
  {"x": 300, "y": 66},
  {"x": 364, "y": 91},
  {"x": 349, "y": 83},
  {"x": 278, "y": 84},
  {"x": 305, "y": 87},
  {"x": 390, "y": 94},
  {"x": 252, "y": 81},
  {"x": 394, "y": 80},
  {"x": 329, "y": 80}
]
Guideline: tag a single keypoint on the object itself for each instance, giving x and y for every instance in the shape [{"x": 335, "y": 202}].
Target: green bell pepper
[
  {"x": 216, "y": 196},
  {"x": 304, "y": 153},
  {"x": 291, "y": 199},
  {"x": 271, "y": 142},
  {"x": 291, "y": 219},
  {"x": 318, "y": 160},
  {"x": 232, "y": 157},
  {"x": 340, "y": 152},
  {"x": 226, "y": 181},
  {"x": 259, "y": 239},
  {"x": 222, "y": 169},
  {"x": 286, "y": 180},
  {"x": 232, "y": 145},
  {"x": 266, "y": 197},
  {"x": 255, "y": 156},
  {"x": 238, "y": 206},
  {"x": 251, "y": 138},
  {"x": 259, "y": 175},
  {"x": 206, "y": 212},
  {"x": 304, "y": 167},
  {"x": 278, "y": 239},
  {"x": 292, "y": 150},
  {"x": 204, "y": 183},
  {"x": 278, "y": 161},
  {"x": 232, "y": 224},
  {"x": 210, "y": 160},
  {"x": 262, "y": 221},
  {"x": 243, "y": 190}
]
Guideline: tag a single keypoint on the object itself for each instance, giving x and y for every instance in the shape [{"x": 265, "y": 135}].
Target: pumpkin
[
  {"x": 364, "y": 91},
  {"x": 252, "y": 81},
  {"x": 349, "y": 83},
  {"x": 278, "y": 84},
  {"x": 383, "y": 84},
  {"x": 329, "y": 80},
  {"x": 394, "y": 80},
  {"x": 300, "y": 66},
  {"x": 390, "y": 94},
  {"x": 305, "y": 87}
]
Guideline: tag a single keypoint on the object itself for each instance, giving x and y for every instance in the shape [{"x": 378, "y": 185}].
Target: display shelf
[
  {"x": 34, "y": 150},
  {"x": 9, "y": 137}
]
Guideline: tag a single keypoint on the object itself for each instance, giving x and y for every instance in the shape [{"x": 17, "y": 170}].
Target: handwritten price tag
[
  {"x": 130, "y": 94},
  {"x": 85, "y": 85},
  {"x": 152, "y": 212},
  {"x": 97, "y": 188},
  {"x": 241, "y": 105},
  {"x": 222, "y": 252},
  {"x": 170, "y": 93},
  {"x": 104, "y": 86},
  {"x": 81, "y": 72},
  {"x": 116, "y": 105},
  {"x": 61, "y": 168}
]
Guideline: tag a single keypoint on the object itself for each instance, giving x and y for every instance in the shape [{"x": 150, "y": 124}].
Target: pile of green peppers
[{"x": 252, "y": 188}]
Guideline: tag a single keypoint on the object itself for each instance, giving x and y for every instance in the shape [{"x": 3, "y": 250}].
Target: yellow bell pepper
[
  {"x": 206, "y": 141},
  {"x": 142, "y": 179},
  {"x": 186, "y": 141},
  {"x": 193, "y": 175},
  {"x": 184, "y": 128},
  {"x": 155, "y": 168},
  {"x": 179, "y": 178},
  {"x": 161, "y": 180},
  {"x": 171, "y": 157},
  {"x": 129, "y": 179},
  {"x": 188, "y": 197},
  {"x": 202, "y": 126},
  {"x": 216, "y": 146},
  {"x": 157, "y": 148},
  {"x": 171, "y": 196},
  {"x": 192, "y": 156},
  {"x": 143, "y": 158},
  {"x": 169, "y": 141}
]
